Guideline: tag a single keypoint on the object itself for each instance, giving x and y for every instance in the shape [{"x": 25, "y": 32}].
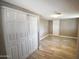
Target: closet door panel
[
  {"x": 9, "y": 32},
  {"x": 11, "y": 20},
  {"x": 33, "y": 33},
  {"x": 11, "y": 27},
  {"x": 21, "y": 30}
]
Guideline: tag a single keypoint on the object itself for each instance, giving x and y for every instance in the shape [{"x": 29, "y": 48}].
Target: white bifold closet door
[
  {"x": 20, "y": 32},
  {"x": 33, "y": 33}
]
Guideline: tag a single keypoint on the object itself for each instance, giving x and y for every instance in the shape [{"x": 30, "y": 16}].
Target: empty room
[{"x": 39, "y": 29}]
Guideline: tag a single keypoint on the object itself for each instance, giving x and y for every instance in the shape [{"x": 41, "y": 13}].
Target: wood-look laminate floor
[{"x": 55, "y": 48}]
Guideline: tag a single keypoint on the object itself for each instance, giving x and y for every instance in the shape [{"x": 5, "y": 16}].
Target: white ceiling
[{"x": 69, "y": 8}]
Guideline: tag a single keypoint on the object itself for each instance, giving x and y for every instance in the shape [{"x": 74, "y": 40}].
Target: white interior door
[
  {"x": 33, "y": 33},
  {"x": 9, "y": 20},
  {"x": 20, "y": 32}
]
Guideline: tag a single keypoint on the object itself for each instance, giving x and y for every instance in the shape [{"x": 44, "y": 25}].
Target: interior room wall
[
  {"x": 56, "y": 27},
  {"x": 68, "y": 27},
  {"x": 43, "y": 27},
  {"x": 78, "y": 42},
  {"x": 50, "y": 27}
]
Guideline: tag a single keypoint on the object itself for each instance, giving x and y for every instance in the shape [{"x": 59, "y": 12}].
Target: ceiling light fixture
[{"x": 56, "y": 15}]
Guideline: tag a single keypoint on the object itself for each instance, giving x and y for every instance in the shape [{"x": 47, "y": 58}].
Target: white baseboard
[
  {"x": 63, "y": 36},
  {"x": 44, "y": 36}
]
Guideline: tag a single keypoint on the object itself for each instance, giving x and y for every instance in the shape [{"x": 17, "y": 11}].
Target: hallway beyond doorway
[{"x": 55, "y": 48}]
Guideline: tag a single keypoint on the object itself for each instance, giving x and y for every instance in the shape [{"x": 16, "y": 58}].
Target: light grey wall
[
  {"x": 78, "y": 42},
  {"x": 50, "y": 26},
  {"x": 68, "y": 27},
  {"x": 43, "y": 27},
  {"x": 56, "y": 27}
]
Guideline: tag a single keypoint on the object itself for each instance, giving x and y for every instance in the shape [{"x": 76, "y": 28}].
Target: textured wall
[
  {"x": 56, "y": 27},
  {"x": 68, "y": 27},
  {"x": 43, "y": 27}
]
